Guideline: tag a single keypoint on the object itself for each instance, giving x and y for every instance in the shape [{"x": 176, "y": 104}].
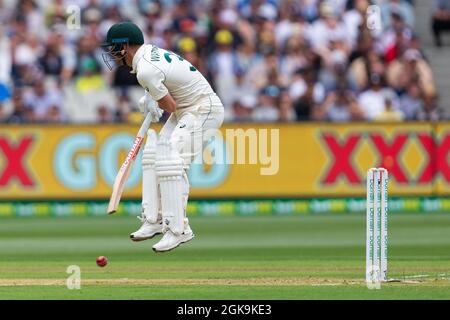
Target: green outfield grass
[{"x": 270, "y": 257}]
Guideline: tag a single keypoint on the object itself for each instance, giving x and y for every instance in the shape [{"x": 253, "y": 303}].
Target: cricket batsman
[{"x": 180, "y": 89}]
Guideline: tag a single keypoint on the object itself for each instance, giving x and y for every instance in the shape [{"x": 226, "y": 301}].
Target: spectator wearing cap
[
  {"x": 373, "y": 99},
  {"x": 440, "y": 19},
  {"x": 226, "y": 19},
  {"x": 223, "y": 66},
  {"x": 243, "y": 107},
  {"x": 188, "y": 48},
  {"x": 411, "y": 67},
  {"x": 267, "y": 110}
]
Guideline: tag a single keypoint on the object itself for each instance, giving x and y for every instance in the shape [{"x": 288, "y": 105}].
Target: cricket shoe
[
  {"x": 170, "y": 241},
  {"x": 147, "y": 230}
]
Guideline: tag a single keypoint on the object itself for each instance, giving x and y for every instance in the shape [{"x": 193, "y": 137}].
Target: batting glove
[{"x": 148, "y": 105}]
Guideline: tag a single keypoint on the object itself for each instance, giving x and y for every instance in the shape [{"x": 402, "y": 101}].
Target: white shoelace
[{"x": 142, "y": 218}]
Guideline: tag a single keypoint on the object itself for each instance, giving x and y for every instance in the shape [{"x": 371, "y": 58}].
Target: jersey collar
[{"x": 137, "y": 56}]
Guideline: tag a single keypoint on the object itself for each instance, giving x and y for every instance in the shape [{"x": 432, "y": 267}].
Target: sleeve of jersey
[{"x": 151, "y": 78}]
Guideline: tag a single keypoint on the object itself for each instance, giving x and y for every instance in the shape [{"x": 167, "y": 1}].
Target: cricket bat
[{"x": 124, "y": 172}]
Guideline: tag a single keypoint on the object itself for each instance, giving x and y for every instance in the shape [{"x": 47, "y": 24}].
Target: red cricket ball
[{"x": 102, "y": 261}]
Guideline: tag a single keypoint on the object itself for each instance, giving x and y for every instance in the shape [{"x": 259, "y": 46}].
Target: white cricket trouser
[{"x": 185, "y": 127}]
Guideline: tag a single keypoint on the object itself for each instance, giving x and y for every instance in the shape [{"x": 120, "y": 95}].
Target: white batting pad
[
  {"x": 150, "y": 197},
  {"x": 174, "y": 187}
]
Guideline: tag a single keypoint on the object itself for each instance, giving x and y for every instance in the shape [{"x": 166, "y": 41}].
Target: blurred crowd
[{"x": 268, "y": 60}]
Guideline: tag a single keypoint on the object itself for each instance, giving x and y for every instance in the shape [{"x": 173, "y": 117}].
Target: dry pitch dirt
[{"x": 224, "y": 282}]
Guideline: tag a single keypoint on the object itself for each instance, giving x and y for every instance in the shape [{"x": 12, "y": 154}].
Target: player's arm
[
  {"x": 167, "y": 103},
  {"x": 152, "y": 79}
]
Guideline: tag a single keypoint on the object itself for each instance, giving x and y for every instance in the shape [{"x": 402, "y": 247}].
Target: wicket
[{"x": 376, "y": 225}]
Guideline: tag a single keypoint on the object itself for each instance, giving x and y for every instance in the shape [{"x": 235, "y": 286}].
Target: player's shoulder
[
  {"x": 154, "y": 54},
  {"x": 150, "y": 61}
]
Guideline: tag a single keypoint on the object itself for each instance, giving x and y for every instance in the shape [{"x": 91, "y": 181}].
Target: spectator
[
  {"x": 2, "y": 113},
  {"x": 307, "y": 50},
  {"x": 306, "y": 93},
  {"x": 5, "y": 57},
  {"x": 411, "y": 102},
  {"x": 51, "y": 61},
  {"x": 327, "y": 29},
  {"x": 411, "y": 67},
  {"x": 399, "y": 7},
  {"x": 32, "y": 15},
  {"x": 440, "y": 19},
  {"x": 396, "y": 39},
  {"x": 223, "y": 66},
  {"x": 339, "y": 106},
  {"x": 53, "y": 115},
  {"x": 103, "y": 114},
  {"x": 4, "y": 97},
  {"x": 389, "y": 114},
  {"x": 5, "y": 93},
  {"x": 355, "y": 18},
  {"x": 373, "y": 100},
  {"x": 285, "y": 105},
  {"x": 257, "y": 76},
  {"x": 361, "y": 67},
  {"x": 431, "y": 111},
  {"x": 41, "y": 100},
  {"x": 21, "y": 113},
  {"x": 28, "y": 51},
  {"x": 243, "y": 107},
  {"x": 267, "y": 110}
]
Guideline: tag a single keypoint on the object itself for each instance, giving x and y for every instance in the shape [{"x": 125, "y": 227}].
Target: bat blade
[
  {"x": 124, "y": 172},
  {"x": 119, "y": 185}
]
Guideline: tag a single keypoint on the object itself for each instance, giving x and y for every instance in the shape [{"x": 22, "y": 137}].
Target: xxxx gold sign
[{"x": 249, "y": 160}]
